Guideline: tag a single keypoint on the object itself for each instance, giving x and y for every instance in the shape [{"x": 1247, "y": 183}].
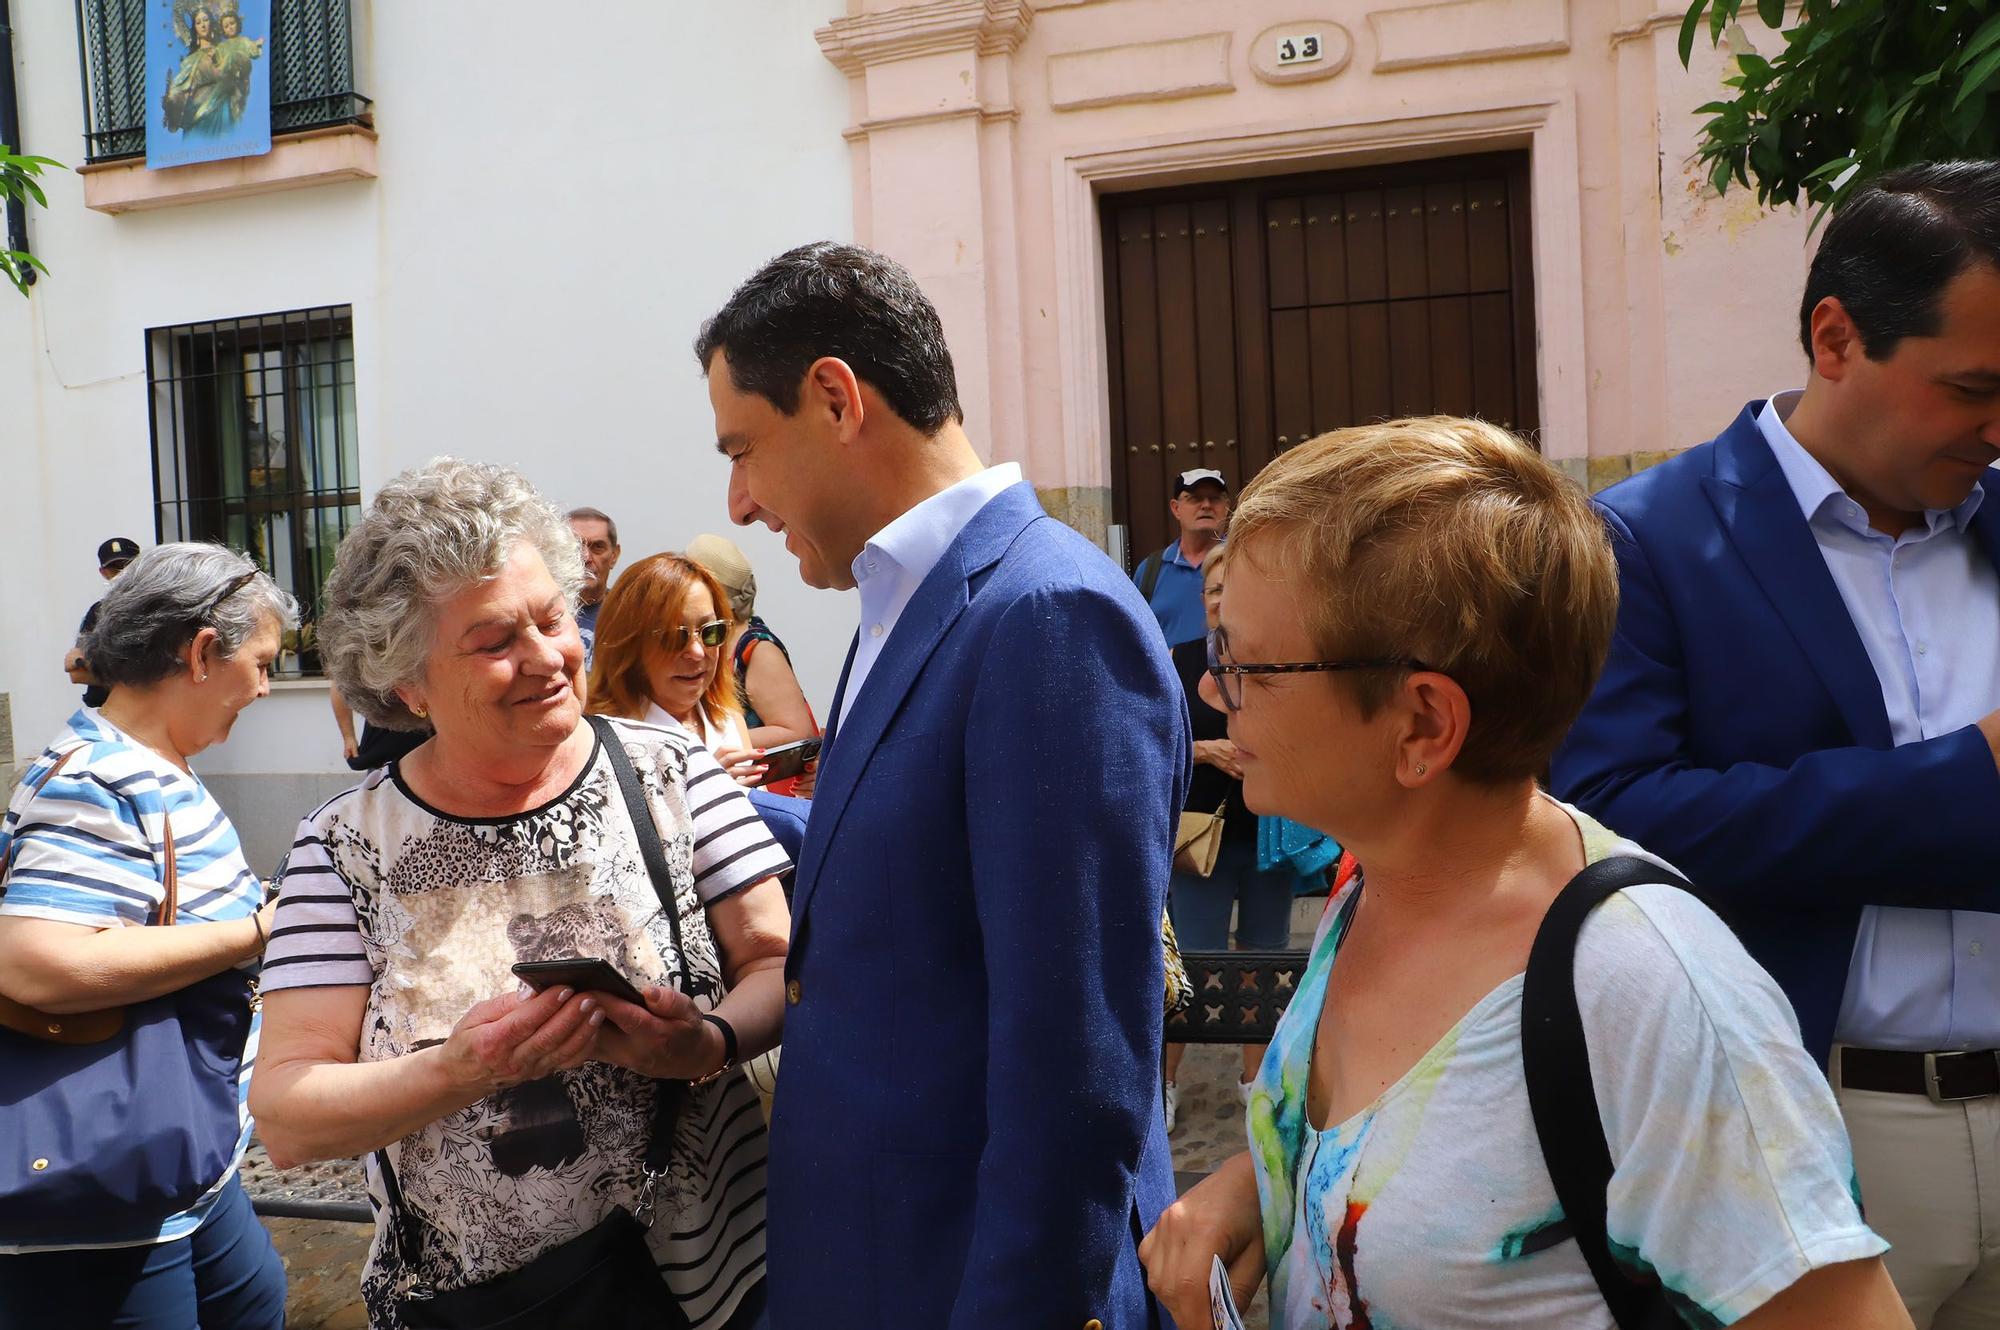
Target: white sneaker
[
  {"x": 1243, "y": 1089},
  {"x": 1173, "y": 1098}
]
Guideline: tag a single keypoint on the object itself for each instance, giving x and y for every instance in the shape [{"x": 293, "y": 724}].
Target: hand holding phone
[
  {"x": 586, "y": 974},
  {"x": 788, "y": 760}
]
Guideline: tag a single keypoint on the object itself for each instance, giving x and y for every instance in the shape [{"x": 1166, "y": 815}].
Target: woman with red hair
[{"x": 659, "y": 658}]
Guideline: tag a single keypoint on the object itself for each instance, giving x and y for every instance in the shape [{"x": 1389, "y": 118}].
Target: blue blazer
[
  {"x": 967, "y": 1130},
  {"x": 1739, "y": 730}
]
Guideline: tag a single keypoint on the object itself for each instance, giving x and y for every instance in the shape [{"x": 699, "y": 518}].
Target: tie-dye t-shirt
[{"x": 1432, "y": 1208}]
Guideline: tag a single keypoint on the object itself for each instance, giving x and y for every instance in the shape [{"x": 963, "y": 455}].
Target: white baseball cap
[{"x": 1187, "y": 480}]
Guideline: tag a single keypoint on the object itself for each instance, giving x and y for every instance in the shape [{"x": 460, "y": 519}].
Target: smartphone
[
  {"x": 586, "y": 974},
  {"x": 787, "y": 760}
]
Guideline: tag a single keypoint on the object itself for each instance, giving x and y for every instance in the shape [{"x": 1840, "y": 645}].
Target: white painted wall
[{"x": 564, "y": 196}]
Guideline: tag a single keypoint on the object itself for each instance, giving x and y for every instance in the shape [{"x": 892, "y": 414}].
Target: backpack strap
[
  {"x": 1561, "y": 1094},
  {"x": 1149, "y": 575}
]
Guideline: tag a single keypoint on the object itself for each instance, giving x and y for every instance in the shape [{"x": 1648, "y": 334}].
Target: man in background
[
  {"x": 598, "y": 535},
  {"x": 112, "y": 557},
  {"x": 1170, "y": 579}
]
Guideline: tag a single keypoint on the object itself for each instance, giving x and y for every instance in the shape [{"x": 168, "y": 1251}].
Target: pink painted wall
[{"x": 981, "y": 128}]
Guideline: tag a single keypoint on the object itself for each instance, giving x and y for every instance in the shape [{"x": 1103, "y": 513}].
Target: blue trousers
[
  {"x": 225, "y": 1275},
  {"x": 1200, "y": 906}
]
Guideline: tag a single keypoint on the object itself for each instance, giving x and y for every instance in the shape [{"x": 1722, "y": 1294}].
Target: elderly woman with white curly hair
[
  {"x": 130, "y": 928},
  {"x": 552, "y": 1154}
]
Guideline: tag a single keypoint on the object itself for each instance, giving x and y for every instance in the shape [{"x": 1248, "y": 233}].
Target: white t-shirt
[
  {"x": 1432, "y": 1206},
  {"x": 729, "y": 735},
  {"x": 92, "y": 851},
  {"x": 429, "y": 911}
]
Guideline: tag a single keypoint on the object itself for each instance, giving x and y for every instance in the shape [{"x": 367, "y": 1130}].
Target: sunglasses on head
[{"x": 712, "y": 635}]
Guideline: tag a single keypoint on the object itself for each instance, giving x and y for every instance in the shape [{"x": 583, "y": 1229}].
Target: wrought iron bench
[{"x": 1238, "y": 998}]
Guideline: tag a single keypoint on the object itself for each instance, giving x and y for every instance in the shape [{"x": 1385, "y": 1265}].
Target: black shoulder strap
[
  {"x": 1149, "y": 574},
  {"x": 1561, "y": 1094},
  {"x": 648, "y": 833},
  {"x": 669, "y": 1097}
]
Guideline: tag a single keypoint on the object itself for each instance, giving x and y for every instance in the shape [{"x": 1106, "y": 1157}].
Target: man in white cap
[{"x": 1170, "y": 579}]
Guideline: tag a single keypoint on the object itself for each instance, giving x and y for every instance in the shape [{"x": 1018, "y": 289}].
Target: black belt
[{"x": 1943, "y": 1077}]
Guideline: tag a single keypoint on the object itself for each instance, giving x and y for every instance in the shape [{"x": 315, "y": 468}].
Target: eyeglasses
[
  {"x": 712, "y": 635},
  {"x": 1228, "y": 674},
  {"x": 228, "y": 591}
]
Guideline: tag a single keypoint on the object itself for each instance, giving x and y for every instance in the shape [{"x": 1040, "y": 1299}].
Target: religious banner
[{"x": 208, "y": 80}]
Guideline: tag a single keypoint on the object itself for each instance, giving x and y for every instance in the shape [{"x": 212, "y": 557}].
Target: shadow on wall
[{"x": 266, "y": 809}]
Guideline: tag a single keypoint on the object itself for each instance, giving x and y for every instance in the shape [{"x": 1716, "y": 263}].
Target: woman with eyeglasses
[
  {"x": 130, "y": 922},
  {"x": 660, "y": 658},
  {"x": 1414, "y": 613}
]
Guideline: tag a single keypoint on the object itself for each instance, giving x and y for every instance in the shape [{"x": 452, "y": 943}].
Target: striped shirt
[
  {"x": 428, "y": 911},
  {"x": 90, "y": 848}
]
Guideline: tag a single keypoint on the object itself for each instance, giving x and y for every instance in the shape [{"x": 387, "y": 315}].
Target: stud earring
[
  {"x": 421, "y": 712},
  {"x": 1423, "y": 769}
]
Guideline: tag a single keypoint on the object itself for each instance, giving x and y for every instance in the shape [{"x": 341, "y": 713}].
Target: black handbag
[
  {"x": 1561, "y": 1095},
  {"x": 605, "y": 1279}
]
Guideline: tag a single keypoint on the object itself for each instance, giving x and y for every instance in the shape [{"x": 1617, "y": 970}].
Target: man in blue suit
[
  {"x": 968, "y": 1125},
  {"x": 1802, "y": 704}
]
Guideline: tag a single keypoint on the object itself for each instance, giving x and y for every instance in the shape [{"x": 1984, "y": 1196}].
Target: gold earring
[
  {"x": 1423, "y": 769},
  {"x": 421, "y": 713}
]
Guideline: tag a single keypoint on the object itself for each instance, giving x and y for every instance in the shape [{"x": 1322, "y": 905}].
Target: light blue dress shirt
[
  {"x": 1927, "y": 607},
  {"x": 895, "y": 563}
]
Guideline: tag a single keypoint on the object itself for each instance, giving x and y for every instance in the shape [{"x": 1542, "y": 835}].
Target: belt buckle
[{"x": 1931, "y": 1090}]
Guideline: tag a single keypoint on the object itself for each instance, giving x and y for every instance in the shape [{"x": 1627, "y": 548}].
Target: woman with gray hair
[
  {"x": 127, "y": 1050},
  {"x": 572, "y": 1154}
]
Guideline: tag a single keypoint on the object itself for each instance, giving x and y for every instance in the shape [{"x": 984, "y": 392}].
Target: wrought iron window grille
[
  {"x": 253, "y": 427},
  {"x": 312, "y": 72}
]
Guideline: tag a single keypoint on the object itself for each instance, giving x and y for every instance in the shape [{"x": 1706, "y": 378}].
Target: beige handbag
[
  {"x": 1198, "y": 840},
  {"x": 762, "y": 1073}
]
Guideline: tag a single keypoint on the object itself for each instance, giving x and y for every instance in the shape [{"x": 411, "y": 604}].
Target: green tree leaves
[
  {"x": 18, "y": 181},
  {"x": 1860, "y": 87}
]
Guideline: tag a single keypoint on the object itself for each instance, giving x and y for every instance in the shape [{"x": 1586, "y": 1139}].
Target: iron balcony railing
[{"x": 312, "y": 71}]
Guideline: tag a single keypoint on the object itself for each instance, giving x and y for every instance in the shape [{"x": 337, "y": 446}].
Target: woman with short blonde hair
[{"x": 1414, "y": 614}]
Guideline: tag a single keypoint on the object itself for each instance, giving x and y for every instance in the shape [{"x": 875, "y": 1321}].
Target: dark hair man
[
  {"x": 970, "y": 1129},
  {"x": 1802, "y": 704},
  {"x": 598, "y": 535}
]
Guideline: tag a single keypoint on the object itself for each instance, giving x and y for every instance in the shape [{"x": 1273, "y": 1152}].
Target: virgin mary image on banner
[{"x": 208, "y": 79}]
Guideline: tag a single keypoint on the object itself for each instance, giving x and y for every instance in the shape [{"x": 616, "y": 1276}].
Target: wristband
[{"x": 728, "y": 1048}]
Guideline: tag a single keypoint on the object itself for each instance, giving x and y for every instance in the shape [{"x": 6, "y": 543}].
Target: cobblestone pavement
[{"x": 1208, "y": 1126}]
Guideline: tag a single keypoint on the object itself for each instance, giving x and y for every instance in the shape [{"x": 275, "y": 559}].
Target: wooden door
[{"x": 1246, "y": 317}]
